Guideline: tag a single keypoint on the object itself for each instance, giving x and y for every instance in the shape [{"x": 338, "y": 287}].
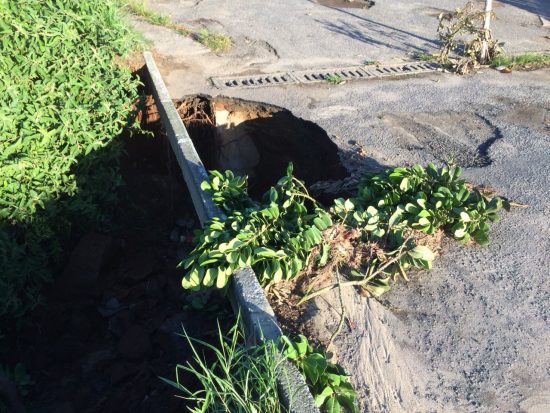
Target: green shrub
[
  {"x": 287, "y": 232},
  {"x": 63, "y": 100}
]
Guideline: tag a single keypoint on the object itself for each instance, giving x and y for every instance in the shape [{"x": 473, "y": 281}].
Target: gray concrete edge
[{"x": 246, "y": 294}]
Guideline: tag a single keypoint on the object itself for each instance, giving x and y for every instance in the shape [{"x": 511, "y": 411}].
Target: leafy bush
[
  {"x": 63, "y": 100},
  {"x": 279, "y": 235},
  {"x": 426, "y": 200},
  {"x": 274, "y": 235}
]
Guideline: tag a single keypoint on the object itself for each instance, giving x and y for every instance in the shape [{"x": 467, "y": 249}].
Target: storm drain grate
[
  {"x": 272, "y": 79},
  {"x": 322, "y": 75},
  {"x": 344, "y": 73}
]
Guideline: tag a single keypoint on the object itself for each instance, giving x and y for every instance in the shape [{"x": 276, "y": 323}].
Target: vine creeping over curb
[
  {"x": 327, "y": 381},
  {"x": 288, "y": 233}
]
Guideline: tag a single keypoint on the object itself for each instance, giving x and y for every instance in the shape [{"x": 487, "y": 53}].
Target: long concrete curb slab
[{"x": 246, "y": 293}]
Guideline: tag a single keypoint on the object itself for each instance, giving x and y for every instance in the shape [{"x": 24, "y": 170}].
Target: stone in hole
[{"x": 258, "y": 140}]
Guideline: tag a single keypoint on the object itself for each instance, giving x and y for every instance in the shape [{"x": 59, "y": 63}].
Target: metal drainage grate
[
  {"x": 321, "y": 75},
  {"x": 401, "y": 69},
  {"x": 345, "y": 73},
  {"x": 273, "y": 79}
]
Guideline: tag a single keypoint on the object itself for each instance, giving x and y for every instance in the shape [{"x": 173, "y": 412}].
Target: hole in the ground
[{"x": 258, "y": 140}]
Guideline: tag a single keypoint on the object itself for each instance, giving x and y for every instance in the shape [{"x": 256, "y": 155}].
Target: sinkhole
[{"x": 258, "y": 140}]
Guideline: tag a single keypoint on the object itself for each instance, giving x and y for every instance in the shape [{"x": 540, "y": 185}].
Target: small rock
[{"x": 135, "y": 343}]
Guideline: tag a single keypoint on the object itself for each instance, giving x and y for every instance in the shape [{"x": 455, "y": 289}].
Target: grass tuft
[
  {"x": 138, "y": 8},
  {"x": 424, "y": 57},
  {"x": 529, "y": 60},
  {"x": 334, "y": 79},
  {"x": 217, "y": 42},
  {"x": 231, "y": 376}
]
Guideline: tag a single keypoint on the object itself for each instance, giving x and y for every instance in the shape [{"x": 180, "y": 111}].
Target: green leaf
[
  {"x": 320, "y": 224},
  {"x": 265, "y": 252},
  {"x": 404, "y": 185},
  {"x": 210, "y": 276},
  {"x": 332, "y": 405},
  {"x": 314, "y": 366},
  {"x": 465, "y": 217},
  {"x": 422, "y": 252},
  {"x": 324, "y": 256},
  {"x": 221, "y": 279},
  {"x": 277, "y": 272},
  {"x": 273, "y": 195},
  {"x": 322, "y": 397},
  {"x": 289, "y": 169},
  {"x": 378, "y": 286},
  {"x": 348, "y": 205},
  {"x": 313, "y": 236},
  {"x": 301, "y": 345},
  {"x": 232, "y": 257}
]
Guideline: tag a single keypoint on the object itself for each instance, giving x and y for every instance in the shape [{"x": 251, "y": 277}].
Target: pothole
[
  {"x": 531, "y": 116},
  {"x": 462, "y": 138},
  {"x": 258, "y": 140},
  {"x": 347, "y": 4}
]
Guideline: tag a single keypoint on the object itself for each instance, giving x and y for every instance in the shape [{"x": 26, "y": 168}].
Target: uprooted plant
[
  {"x": 466, "y": 31},
  {"x": 274, "y": 235},
  {"x": 387, "y": 229}
]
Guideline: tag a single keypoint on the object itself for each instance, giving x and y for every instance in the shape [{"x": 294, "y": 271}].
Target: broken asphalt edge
[{"x": 246, "y": 294}]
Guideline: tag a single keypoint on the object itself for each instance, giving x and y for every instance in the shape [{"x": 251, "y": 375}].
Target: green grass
[
  {"x": 217, "y": 42},
  {"x": 424, "y": 57},
  {"x": 525, "y": 60},
  {"x": 140, "y": 9},
  {"x": 231, "y": 376},
  {"x": 334, "y": 79}
]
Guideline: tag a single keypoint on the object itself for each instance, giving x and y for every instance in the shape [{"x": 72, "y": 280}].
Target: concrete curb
[{"x": 246, "y": 293}]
